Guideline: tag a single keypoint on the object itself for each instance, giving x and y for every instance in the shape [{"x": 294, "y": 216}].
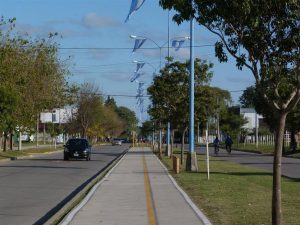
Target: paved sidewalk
[{"x": 137, "y": 191}]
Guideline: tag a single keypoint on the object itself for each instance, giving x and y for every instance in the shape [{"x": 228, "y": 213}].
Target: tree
[
  {"x": 262, "y": 36},
  {"x": 169, "y": 95},
  {"x": 33, "y": 72},
  {"x": 89, "y": 107},
  {"x": 110, "y": 102},
  {"x": 231, "y": 121},
  {"x": 129, "y": 119},
  {"x": 251, "y": 98},
  {"x": 8, "y": 103}
]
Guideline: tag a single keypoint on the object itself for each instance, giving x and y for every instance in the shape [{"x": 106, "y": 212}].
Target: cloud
[{"x": 92, "y": 20}]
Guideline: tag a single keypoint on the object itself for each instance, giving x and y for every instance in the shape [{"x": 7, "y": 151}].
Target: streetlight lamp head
[{"x": 133, "y": 36}]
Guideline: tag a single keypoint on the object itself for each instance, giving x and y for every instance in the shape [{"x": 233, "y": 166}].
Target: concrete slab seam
[
  {"x": 74, "y": 211},
  {"x": 198, "y": 212}
]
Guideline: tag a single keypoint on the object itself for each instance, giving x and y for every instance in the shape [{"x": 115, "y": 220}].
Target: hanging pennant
[
  {"x": 177, "y": 44},
  {"x": 138, "y": 43},
  {"x": 135, "y": 5}
]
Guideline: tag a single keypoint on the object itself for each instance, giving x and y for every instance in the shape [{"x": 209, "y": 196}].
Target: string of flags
[{"x": 135, "y": 5}]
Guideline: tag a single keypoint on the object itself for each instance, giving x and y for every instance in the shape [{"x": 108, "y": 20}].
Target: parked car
[
  {"x": 116, "y": 141},
  {"x": 77, "y": 148}
]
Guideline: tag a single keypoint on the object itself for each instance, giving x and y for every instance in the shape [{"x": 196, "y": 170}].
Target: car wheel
[{"x": 88, "y": 158}]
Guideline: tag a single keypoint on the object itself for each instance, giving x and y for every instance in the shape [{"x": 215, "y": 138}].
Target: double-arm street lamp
[{"x": 140, "y": 40}]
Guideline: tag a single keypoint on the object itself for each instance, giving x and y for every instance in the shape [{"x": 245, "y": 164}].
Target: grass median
[
  {"x": 236, "y": 194},
  {"x": 29, "y": 151}
]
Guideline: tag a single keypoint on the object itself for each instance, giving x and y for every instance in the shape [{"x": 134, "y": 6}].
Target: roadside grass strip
[{"x": 237, "y": 194}]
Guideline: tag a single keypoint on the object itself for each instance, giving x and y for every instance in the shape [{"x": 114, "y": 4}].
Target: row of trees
[
  {"x": 170, "y": 98},
  {"x": 32, "y": 79},
  {"x": 98, "y": 119}
]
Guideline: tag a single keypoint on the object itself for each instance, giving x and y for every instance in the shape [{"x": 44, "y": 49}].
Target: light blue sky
[{"x": 99, "y": 25}]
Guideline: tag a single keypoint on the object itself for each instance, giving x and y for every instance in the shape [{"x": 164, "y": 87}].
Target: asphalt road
[
  {"x": 31, "y": 189},
  {"x": 290, "y": 166}
]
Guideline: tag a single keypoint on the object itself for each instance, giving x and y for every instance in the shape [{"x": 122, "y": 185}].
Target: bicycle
[
  {"x": 216, "y": 149},
  {"x": 228, "y": 149}
]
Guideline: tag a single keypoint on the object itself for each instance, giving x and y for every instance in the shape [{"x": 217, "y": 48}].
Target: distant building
[
  {"x": 252, "y": 118},
  {"x": 58, "y": 115}
]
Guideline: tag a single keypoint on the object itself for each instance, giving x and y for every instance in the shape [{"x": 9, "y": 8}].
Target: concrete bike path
[{"x": 137, "y": 191}]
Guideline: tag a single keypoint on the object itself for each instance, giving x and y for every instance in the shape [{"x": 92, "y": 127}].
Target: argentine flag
[{"x": 135, "y": 5}]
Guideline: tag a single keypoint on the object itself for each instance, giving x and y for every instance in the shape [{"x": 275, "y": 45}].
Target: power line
[
  {"x": 120, "y": 48},
  {"x": 117, "y": 95}
]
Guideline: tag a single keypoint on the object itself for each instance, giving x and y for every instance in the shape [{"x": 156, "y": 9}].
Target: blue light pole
[{"x": 191, "y": 164}]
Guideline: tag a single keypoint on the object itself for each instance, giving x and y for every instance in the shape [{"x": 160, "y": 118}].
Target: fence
[{"x": 251, "y": 139}]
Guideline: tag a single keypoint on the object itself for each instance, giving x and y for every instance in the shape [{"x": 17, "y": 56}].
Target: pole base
[
  {"x": 191, "y": 162},
  {"x": 168, "y": 150}
]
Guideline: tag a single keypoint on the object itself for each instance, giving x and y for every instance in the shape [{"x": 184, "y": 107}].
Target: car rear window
[{"x": 77, "y": 143}]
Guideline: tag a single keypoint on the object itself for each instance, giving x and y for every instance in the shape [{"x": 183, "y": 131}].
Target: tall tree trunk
[
  {"x": 11, "y": 141},
  {"x": 4, "y": 141},
  {"x": 276, "y": 195}
]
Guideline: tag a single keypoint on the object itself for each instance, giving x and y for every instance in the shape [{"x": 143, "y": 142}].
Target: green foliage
[
  {"x": 147, "y": 128},
  {"x": 110, "y": 102},
  {"x": 231, "y": 121},
  {"x": 129, "y": 119},
  {"x": 93, "y": 118},
  {"x": 32, "y": 71},
  {"x": 8, "y": 103},
  {"x": 53, "y": 129},
  {"x": 262, "y": 36},
  {"x": 169, "y": 93}
]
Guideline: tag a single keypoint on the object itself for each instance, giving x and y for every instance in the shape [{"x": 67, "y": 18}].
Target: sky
[{"x": 93, "y": 33}]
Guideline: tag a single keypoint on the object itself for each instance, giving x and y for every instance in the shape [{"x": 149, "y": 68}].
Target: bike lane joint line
[
  {"x": 197, "y": 211},
  {"x": 149, "y": 197},
  {"x": 74, "y": 211}
]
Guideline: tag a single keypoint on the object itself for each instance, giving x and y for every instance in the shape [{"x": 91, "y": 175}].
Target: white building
[
  {"x": 252, "y": 118},
  {"x": 59, "y": 115}
]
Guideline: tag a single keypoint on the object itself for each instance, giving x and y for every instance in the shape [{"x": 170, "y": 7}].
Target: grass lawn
[
  {"x": 236, "y": 194},
  {"x": 27, "y": 152},
  {"x": 10, "y": 153}
]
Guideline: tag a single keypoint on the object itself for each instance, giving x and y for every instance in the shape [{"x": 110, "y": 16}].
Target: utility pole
[{"x": 191, "y": 162}]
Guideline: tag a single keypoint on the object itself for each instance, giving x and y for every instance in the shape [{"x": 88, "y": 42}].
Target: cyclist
[
  {"x": 216, "y": 145},
  {"x": 228, "y": 143}
]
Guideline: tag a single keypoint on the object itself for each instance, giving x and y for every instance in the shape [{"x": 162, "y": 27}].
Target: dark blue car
[{"x": 78, "y": 148}]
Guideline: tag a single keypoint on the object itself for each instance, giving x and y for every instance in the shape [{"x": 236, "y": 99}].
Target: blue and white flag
[
  {"x": 141, "y": 85},
  {"x": 139, "y": 66},
  {"x": 177, "y": 44},
  {"x": 135, "y": 76},
  {"x": 135, "y": 5},
  {"x": 138, "y": 43}
]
